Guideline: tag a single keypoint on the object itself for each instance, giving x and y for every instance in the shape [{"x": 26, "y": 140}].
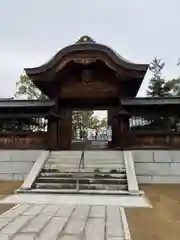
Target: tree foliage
[
  {"x": 26, "y": 89},
  {"x": 103, "y": 123},
  {"x": 157, "y": 85},
  {"x": 160, "y": 87},
  {"x": 82, "y": 117}
]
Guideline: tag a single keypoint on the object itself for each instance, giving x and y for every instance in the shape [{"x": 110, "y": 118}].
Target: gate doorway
[{"x": 90, "y": 130}]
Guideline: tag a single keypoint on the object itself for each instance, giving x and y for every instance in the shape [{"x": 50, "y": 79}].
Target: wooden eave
[
  {"x": 26, "y": 103},
  {"x": 87, "y": 46},
  {"x": 126, "y": 71},
  {"x": 150, "y": 101},
  {"x": 138, "y": 101},
  {"x": 25, "y": 107},
  {"x": 43, "y": 106}
]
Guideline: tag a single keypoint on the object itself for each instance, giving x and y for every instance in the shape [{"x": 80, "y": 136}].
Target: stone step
[
  {"x": 76, "y": 155},
  {"x": 108, "y": 166},
  {"x": 92, "y": 170},
  {"x": 74, "y": 191},
  {"x": 81, "y": 186},
  {"x": 90, "y": 178},
  {"x": 82, "y": 180},
  {"x": 83, "y": 171},
  {"x": 87, "y": 160}
]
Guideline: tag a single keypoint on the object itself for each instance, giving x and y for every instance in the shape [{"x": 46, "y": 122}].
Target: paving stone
[
  {"x": 35, "y": 209},
  {"x": 4, "y": 222},
  {"x": 69, "y": 237},
  {"x": 80, "y": 222},
  {"x": 53, "y": 228},
  {"x": 116, "y": 238},
  {"x": 97, "y": 211},
  {"x": 81, "y": 212},
  {"x": 15, "y": 212},
  {"x": 25, "y": 237},
  {"x": 65, "y": 211},
  {"x": 36, "y": 225},
  {"x": 114, "y": 229},
  {"x": 16, "y": 225},
  {"x": 75, "y": 226},
  {"x": 50, "y": 210},
  {"x": 94, "y": 229},
  {"x": 4, "y": 236},
  {"x": 113, "y": 213}
]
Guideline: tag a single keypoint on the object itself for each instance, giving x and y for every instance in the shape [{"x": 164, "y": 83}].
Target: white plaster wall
[
  {"x": 157, "y": 166},
  {"x": 16, "y": 164}
]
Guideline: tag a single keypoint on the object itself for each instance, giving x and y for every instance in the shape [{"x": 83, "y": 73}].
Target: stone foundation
[
  {"x": 16, "y": 164},
  {"x": 157, "y": 166},
  {"x": 152, "y": 166}
]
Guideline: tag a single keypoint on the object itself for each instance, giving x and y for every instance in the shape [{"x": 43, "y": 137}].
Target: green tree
[
  {"x": 82, "y": 120},
  {"x": 95, "y": 122},
  {"x": 103, "y": 122},
  {"x": 174, "y": 84},
  {"x": 83, "y": 117},
  {"x": 157, "y": 85},
  {"x": 25, "y": 88}
]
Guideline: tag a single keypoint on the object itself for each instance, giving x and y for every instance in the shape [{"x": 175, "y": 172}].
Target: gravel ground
[
  {"x": 7, "y": 188},
  {"x": 163, "y": 221}
]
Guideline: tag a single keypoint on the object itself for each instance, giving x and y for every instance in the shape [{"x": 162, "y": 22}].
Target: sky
[{"x": 31, "y": 32}]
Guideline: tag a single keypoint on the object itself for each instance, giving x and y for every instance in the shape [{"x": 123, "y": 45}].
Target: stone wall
[
  {"x": 157, "y": 166},
  {"x": 152, "y": 166},
  {"x": 16, "y": 164}
]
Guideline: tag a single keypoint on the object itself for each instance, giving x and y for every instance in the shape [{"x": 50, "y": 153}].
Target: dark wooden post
[
  {"x": 65, "y": 130},
  {"x": 123, "y": 119},
  {"x": 52, "y": 133}
]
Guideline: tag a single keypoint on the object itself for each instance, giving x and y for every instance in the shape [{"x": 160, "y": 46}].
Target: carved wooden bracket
[{"x": 85, "y": 61}]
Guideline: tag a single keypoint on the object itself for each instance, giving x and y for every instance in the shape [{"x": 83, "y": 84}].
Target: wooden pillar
[
  {"x": 118, "y": 119},
  {"x": 52, "y": 133},
  {"x": 112, "y": 121},
  {"x": 65, "y": 130},
  {"x": 123, "y": 119}
]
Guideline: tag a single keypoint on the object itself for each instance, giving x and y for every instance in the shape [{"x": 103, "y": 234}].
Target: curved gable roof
[{"x": 86, "y": 43}]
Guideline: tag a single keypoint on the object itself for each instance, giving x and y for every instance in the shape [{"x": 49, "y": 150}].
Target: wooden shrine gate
[{"x": 88, "y": 75}]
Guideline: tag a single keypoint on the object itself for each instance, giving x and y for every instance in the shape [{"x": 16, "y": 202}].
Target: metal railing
[{"x": 81, "y": 162}]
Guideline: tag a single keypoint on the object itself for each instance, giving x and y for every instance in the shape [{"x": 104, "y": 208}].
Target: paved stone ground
[{"x": 64, "y": 222}]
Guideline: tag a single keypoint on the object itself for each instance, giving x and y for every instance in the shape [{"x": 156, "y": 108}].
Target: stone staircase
[{"x": 99, "y": 172}]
